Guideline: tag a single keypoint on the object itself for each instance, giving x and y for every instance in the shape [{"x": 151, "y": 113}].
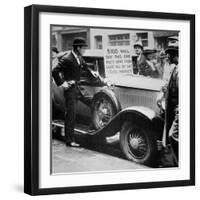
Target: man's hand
[
  {"x": 161, "y": 101},
  {"x": 151, "y": 65},
  {"x": 65, "y": 85},
  {"x": 94, "y": 73},
  {"x": 70, "y": 83}
]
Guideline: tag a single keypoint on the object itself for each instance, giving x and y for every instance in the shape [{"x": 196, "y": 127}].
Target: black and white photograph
[
  {"x": 114, "y": 99},
  {"x": 100, "y": 100},
  {"x": 109, "y": 100}
]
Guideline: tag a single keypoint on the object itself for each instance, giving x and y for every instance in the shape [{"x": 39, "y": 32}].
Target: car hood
[{"x": 134, "y": 81}]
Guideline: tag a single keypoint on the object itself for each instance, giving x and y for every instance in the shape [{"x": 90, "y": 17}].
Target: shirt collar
[
  {"x": 138, "y": 58},
  {"x": 76, "y": 56}
]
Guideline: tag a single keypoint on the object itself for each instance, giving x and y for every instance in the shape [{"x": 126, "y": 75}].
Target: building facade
[{"x": 101, "y": 38}]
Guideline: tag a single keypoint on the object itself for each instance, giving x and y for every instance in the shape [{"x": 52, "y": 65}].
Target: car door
[{"x": 89, "y": 85}]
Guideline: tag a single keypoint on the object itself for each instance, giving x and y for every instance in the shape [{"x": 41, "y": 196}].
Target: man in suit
[
  {"x": 172, "y": 100},
  {"x": 54, "y": 55},
  {"x": 170, "y": 93},
  {"x": 66, "y": 74}
]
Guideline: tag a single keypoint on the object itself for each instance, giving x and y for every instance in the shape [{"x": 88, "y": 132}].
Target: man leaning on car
[{"x": 66, "y": 74}]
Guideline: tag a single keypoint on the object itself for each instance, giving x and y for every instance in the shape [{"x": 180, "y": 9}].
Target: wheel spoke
[
  {"x": 104, "y": 111},
  {"x": 137, "y": 143}
]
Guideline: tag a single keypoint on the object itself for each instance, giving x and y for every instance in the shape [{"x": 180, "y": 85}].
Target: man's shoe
[{"x": 73, "y": 144}]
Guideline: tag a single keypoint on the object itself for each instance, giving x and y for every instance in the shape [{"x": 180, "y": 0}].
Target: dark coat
[
  {"x": 68, "y": 69},
  {"x": 172, "y": 98}
]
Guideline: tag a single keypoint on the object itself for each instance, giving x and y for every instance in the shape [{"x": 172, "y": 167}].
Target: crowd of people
[{"x": 153, "y": 63}]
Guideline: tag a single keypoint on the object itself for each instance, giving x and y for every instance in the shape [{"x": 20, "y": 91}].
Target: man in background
[
  {"x": 172, "y": 108},
  {"x": 54, "y": 55},
  {"x": 143, "y": 66},
  {"x": 170, "y": 94}
]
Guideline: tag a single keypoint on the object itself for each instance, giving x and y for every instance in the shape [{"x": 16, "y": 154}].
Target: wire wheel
[
  {"x": 103, "y": 111},
  {"x": 138, "y": 143}
]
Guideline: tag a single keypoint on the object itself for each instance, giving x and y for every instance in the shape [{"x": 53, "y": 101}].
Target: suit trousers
[{"x": 70, "y": 114}]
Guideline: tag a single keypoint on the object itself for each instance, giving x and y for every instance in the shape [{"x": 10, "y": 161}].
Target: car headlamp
[{"x": 110, "y": 85}]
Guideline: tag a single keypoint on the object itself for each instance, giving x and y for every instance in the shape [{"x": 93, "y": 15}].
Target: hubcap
[
  {"x": 134, "y": 143},
  {"x": 137, "y": 143}
]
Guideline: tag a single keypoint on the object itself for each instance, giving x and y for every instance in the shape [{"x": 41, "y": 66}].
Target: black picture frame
[{"x": 31, "y": 98}]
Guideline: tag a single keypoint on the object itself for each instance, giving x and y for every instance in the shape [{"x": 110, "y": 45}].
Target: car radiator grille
[{"x": 136, "y": 97}]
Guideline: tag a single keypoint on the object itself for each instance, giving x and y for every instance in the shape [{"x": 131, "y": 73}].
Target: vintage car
[{"x": 113, "y": 104}]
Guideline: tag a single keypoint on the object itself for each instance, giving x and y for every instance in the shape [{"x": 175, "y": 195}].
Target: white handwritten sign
[{"x": 117, "y": 60}]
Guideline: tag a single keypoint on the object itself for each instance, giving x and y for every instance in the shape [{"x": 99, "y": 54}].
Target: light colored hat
[{"x": 138, "y": 44}]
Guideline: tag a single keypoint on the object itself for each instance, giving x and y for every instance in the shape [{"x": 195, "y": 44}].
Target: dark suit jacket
[
  {"x": 172, "y": 98},
  {"x": 68, "y": 69}
]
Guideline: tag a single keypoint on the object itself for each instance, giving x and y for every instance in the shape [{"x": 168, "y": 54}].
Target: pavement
[{"x": 93, "y": 156}]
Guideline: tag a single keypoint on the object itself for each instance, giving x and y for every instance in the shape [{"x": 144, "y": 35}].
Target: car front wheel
[
  {"x": 104, "y": 109},
  {"x": 138, "y": 144}
]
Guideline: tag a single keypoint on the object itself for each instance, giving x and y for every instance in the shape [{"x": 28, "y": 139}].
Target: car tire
[
  {"x": 138, "y": 144},
  {"x": 104, "y": 108}
]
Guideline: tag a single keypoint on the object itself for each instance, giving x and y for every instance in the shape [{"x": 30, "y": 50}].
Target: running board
[
  {"x": 111, "y": 139},
  {"x": 61, "y": 125}
]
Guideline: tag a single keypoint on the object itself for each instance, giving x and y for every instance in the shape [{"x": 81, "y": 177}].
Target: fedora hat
[
  {"x": 172, "y": 45},
  {"x": 79, "y": 41}
]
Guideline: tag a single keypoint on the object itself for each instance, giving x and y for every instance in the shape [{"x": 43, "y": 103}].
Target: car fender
[
  {"x": 144, "y": 115},
  {"x": 106, "y": 90}
]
